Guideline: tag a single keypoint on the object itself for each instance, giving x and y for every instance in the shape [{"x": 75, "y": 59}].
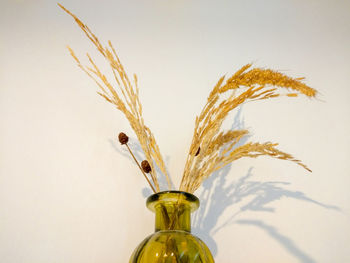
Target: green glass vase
[{"x": 172, "y": 241}]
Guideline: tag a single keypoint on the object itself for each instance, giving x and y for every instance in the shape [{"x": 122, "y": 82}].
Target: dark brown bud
[
  {"x": 123, "y": 138},
  {"x": 199, "y": 149},
  {"x": 146, "y": 167}
]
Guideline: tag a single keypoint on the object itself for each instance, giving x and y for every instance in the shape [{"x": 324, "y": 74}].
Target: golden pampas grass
[
  {"x": 211, "y": 148},
  {"x": 218, "y": 148},
  {"x": 128, "y": 102}
]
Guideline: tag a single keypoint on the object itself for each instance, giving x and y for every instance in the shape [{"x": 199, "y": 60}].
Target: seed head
[
  {"x": 199, "y": 149},
  {"x": 123, "y": 138},
  {"x": 146, "y": 167}
]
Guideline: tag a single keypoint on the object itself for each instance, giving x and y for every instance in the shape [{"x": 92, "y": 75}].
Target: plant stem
[{"x": 150, "y": 184}]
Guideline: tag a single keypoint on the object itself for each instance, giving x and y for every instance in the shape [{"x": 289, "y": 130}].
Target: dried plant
[
  {"x": 217, "y": 148},
  {"x": 211, "y": 148},
  {"x": 129, "y": 103}
]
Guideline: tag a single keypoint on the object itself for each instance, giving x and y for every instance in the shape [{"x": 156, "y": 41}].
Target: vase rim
[{"x": 170, "y": 195}]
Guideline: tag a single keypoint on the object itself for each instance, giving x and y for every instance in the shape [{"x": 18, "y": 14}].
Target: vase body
[{"x": 172, "y": 241}]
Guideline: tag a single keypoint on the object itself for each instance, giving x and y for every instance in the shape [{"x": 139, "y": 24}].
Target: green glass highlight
[{"x": 172, "y": 241}]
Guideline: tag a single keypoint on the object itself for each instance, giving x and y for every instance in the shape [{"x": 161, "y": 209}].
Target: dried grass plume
[{"x": 211, "y": 148}]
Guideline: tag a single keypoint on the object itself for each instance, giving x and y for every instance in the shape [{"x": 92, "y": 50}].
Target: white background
[{"x": 70, "y": 193}]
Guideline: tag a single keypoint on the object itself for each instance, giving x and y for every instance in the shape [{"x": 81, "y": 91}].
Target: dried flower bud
[
  {"x": 199, "y": 149},
  {"x": 145, "y": 166},
  {"x": 123, "y": 138}
]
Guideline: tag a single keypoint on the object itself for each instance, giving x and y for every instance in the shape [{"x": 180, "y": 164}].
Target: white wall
[{"x": 68, "y": 193}]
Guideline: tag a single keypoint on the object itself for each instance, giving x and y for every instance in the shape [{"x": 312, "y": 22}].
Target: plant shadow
[{"x": 217, "y": 196}]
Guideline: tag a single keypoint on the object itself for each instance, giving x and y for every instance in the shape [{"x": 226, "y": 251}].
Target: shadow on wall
[{"x": 217, "y": 195}]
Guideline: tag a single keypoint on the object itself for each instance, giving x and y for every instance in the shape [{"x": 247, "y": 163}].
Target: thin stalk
[{"x": 150, "y": 184}]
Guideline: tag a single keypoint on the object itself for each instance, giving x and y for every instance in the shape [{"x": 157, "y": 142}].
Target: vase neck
[
  {"x": 173, "y": 210},
  {"x": 173, "y": 217}
]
